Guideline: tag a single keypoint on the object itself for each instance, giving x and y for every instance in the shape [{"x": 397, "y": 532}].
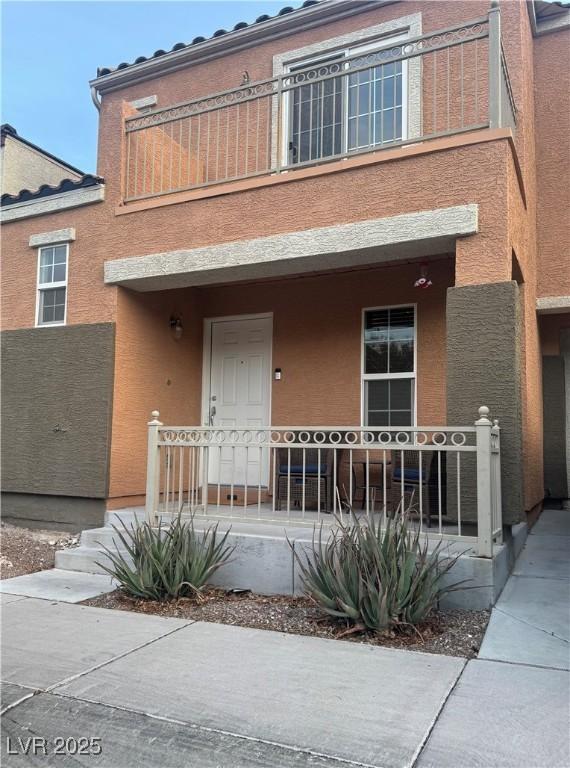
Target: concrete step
[
  {"x": 127, "y": 516},
  {"x": 84, "y": 559},
  {"x": 95, "y": 537}
]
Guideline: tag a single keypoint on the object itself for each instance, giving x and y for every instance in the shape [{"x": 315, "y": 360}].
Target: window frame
[
  {"x": 364, "y": 377},
  {"x": 343, "y": 52},
  {"x": 42, "y": 287}
]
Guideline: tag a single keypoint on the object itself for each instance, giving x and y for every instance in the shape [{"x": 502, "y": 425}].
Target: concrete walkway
[
  {"x": 156, "y": 691},
  {"x": 57, "y": 584},
  {"x": 511, "y": 706},
  {"x": 531, "y": 622}
]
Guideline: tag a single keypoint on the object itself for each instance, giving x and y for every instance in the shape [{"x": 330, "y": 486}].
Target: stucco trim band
[
  {"x": 53, "y": 204},
  {"x": 390, "y": 238},
  {"x": 552, "y": 304},
  {"x": 52, "y": 238}
]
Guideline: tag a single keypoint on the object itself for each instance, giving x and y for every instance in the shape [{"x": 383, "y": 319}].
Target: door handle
[{"x": 212, "y": 414}]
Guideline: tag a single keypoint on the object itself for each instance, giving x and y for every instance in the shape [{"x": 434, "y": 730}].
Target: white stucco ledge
[
  {"x": 53, "y": 204},
  {"x": 553, "y": 304},
  {"x": 394, "y": 238},
  {"x": 144, "y": 103},
  {"x": 53, "y": 238}
]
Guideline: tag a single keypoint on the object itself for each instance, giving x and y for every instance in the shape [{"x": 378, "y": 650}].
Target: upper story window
[
  {"x": 389, "y": 366},
  {"x": 344, "y": 111},
  {"x": 52, "y": 285}
]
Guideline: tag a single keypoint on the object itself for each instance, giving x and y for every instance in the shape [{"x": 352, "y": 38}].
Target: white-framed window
[
  {"x": 51, "y": 304},
  {"x": 344, "y": 112},
  {"x": 389, "y": 366}
]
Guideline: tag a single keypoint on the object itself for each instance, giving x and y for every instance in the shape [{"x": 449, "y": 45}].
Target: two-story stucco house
[{"x": 348, "y": 223}]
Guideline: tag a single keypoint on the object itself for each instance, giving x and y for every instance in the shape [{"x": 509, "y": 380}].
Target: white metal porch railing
[
  {"x": 448, "y": 476},
  {"x": 441, "y": 83}
]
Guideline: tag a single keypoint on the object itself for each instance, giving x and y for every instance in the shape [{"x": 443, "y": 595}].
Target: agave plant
[
  {"x": 167, "y": 561},
  {"x": 374, "y": 577}
]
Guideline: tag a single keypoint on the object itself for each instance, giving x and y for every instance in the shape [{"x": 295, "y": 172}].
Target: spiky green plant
[
  {"x": 167, "y": 561},
  {"x": 375, "y": 578}
]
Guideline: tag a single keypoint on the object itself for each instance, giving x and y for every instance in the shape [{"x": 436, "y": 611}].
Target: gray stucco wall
[
  {"x": 62, "y": 513},
  {"x": 484, "y": 368},
  {"x": 57, "y": 387},
  {"x": 554, "y": 425}
]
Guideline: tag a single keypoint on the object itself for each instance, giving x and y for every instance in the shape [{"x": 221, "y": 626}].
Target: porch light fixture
[
  {"x": 423, "y": 280},
  {"x": 176, "y": 326}
]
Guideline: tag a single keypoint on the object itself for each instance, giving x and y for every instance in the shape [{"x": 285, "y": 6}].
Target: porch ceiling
[{"x": 408, "y": 236}]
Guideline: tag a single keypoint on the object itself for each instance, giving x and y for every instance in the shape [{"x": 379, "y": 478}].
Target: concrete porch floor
[{"x": 269, "y": 520}]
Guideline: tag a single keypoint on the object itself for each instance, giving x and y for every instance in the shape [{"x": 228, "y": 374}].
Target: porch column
[{"x": 484, "y": 366}]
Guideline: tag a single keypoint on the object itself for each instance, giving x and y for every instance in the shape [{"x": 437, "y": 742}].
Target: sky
[{"x": 50, "y": 51}]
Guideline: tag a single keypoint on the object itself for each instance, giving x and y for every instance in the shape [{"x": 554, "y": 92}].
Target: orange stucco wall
[
  {"x": 523, "y": 246},
  {"x": 552, "y": 99}
]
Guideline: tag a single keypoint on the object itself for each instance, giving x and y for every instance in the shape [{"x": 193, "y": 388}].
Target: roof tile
[{"x": 101, "y": 71}]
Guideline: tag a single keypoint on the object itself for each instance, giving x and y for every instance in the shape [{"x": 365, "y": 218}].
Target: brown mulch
[
  {"x": 455, "y": 633},
  {"x": 25, "y": 551}
]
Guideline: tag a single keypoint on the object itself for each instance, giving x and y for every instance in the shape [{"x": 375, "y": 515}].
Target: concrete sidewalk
[
  {"x": 172, "y": 693},
  {"x": 161, "y": 691},
  {"x": 511, "y": 706}
]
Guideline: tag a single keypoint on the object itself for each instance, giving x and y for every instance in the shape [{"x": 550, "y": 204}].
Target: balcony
[{"x": 415, "y": 90}]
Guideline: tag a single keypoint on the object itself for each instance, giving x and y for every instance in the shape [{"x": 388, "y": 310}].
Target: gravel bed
[
  {"x": 26, "y": 551},
  {"x": 454, "y": 633}
]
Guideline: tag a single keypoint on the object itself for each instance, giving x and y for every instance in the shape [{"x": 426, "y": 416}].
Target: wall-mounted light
[
  {"x": 176, "y": 326},
  {"x": 423, "y": 280}
]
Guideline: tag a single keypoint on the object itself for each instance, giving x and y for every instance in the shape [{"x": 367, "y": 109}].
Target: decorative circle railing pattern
[
  {"x": 366, "y": 437},
  {"x": 216, "y": 101}
]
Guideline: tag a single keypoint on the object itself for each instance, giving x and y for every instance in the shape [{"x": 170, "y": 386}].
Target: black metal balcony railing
[{"x": 434, "y": 85}]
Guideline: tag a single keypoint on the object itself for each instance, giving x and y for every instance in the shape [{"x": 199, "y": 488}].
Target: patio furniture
[
  {"x": 311, "y": 481},
  {"x": 372, "y": 491},
  {"x": 429, "y": 479}
]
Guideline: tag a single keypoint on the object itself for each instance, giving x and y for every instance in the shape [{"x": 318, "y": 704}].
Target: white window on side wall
[
  {"x": 389, "y": 367},
  {"x": 52, "y": 284}
]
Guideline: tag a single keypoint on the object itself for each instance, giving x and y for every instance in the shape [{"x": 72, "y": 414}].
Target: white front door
[{"x": 240, "y": 381}]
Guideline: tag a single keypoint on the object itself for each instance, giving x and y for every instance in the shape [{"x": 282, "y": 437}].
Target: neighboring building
[
  {"x": 278, "y": 190},
  {"x": 24, "y": 165}
]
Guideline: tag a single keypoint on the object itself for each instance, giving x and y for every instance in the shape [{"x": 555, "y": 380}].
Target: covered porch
[{"x": 290, "y": 402}]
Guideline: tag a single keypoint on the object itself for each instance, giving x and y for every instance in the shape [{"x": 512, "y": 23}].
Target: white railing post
[
  {"x": 497, "y": 490},
  {"x": 495, "y": 72},
  {"x": 205, "y": 481},
  {"x": 483, "y": 427},
  {"x": 153, "y": 469}
]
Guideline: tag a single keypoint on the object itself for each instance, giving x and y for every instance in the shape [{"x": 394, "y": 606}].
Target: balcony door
[
  {"x": 344, "y": 111},
  {"x": 238, "y": 395}
]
